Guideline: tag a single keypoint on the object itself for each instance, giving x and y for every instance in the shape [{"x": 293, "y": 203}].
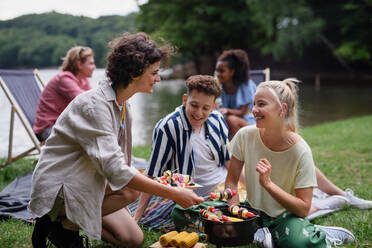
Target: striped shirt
[{"x": 171, "y": 148}]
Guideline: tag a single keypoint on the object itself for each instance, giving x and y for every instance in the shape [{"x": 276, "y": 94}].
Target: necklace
[{"x": 122, "y": 116}]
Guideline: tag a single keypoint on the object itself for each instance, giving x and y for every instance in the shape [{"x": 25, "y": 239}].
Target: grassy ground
[{"x": 342, "y": 150}]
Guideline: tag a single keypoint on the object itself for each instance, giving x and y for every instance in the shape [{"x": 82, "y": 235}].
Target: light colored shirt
[
  {"x": 58, "y": 93},
  {"x": 171, "y": 148},
  {"x": 207, "y": 172},
  {"x": 291, "y": 169},
  {"x": 82, "y": 155}
]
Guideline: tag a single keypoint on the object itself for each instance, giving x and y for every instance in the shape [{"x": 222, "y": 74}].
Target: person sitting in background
[
  {"x": 279, "y": 171},
  {"x": 78, "y": 65},
  {"x": 232, "y": 71},
  {"x": 191, "y": 140},
  {"x": 84, "y": 178}
]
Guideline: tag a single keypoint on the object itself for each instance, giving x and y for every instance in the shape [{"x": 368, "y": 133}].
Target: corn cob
[
  {"x": 175, "y": 240},
  {"x": 189, "y": 241},
  {"x": 231, "y": 219},
  {"x": 166, "y": 238}
]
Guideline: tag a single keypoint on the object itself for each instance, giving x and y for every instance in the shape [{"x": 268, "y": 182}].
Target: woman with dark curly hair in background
[
  {"x": 84, "y": 178},
  {"x": 232, "y": 71}
]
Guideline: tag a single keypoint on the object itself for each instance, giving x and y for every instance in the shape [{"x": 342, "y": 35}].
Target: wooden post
[{"x": 317, "y": 81}]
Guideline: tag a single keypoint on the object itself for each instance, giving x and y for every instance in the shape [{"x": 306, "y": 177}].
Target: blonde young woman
[
  {"x": 279, "y": 170},
  {"x": 77, "y": 67}
]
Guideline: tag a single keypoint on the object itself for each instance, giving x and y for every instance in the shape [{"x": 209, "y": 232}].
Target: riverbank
[{"x": 342, "y": 150}]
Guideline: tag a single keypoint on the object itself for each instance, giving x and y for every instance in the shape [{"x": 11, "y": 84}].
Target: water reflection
[
  {"x": 166, "y": 96},
  {"x": 333, "y": 102}
]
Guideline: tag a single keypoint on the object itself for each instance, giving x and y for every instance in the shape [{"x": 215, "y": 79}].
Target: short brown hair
[
  {"x": 204, "y": 83},
  {"x": 75, "y": 54}
]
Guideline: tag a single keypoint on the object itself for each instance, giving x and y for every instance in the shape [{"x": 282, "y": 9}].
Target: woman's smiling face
[
  {"x": 148, "y": 79},
  {"x": 266, "y": 109},
  {"x": 224, "y": 73}
]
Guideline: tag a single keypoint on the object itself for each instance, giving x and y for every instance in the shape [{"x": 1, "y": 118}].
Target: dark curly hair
[
  {"x": 130, "y": 56},
  {"x": 237, "y": 60},
  {"x": 204, "y": 83}
]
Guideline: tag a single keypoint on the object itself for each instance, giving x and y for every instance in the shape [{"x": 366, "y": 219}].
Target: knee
[
  {"x": 132, "y": 241},
  {"x": 235, "y": 122},
  {"x": 128, "y": 194},
  {"x": 229, "y": 119},
  {"x": 133, "y": 195}
]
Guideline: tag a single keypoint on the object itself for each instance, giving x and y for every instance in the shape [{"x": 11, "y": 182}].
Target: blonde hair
[
  {"x": 286, "y": 92},
  {"x": 75, "y": 54}
]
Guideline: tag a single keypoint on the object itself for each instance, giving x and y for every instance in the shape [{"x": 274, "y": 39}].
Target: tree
[
  {"x": 288, "y": 26},
  {"x": 40, "y": 40},
  {"x": 292, "y": 27},
  {"x": 348, "y": 29},
  {"x": 199, "y": 28}
]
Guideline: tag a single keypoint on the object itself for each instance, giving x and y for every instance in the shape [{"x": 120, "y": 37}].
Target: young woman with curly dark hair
[
  {"x": 84, "y": 178},
  {"x": 232, "y": 70}
]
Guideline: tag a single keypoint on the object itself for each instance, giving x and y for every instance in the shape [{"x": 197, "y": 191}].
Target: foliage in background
[
  {"x": 40, "y": 40},
  {"x": 287, "y": 30},
  {"x": 199, "y": 28},
  {"x": 289, "y": 26},
  {"x": 354, "y": 26},
  {"x": 323, "y": 32}
]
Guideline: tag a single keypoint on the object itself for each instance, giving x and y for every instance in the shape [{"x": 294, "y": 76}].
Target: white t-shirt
[
  {"x": 291, "y": 169},
  {"x": 207, "y": 172}
]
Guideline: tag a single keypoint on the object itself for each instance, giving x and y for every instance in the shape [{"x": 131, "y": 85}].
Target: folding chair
[
  {"x": 259, "y": 76},
  {"x": 23, "y": 92}
]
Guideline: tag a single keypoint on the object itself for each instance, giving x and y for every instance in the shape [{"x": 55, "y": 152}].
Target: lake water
[{"x": 330, "y": 103}]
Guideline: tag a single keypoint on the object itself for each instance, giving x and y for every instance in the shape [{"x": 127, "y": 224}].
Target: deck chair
[
  {"x": 259, "y": 76},
  {"x": 23, "y": 89}
]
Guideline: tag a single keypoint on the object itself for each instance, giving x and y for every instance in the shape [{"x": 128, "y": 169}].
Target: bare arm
[
  {"x": 183, "y": 197},
  {"x": 242, "y": 174},
  {"x": 142, "y": 205},
  {"x": 232, "y": 178},
  {"x": 299, "y": 204},
  {"x": 325, "y": 185}
]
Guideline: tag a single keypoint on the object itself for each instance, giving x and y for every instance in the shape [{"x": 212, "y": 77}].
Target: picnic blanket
[
  {"x": 157, "y": 215},
  {"x": 14, "y": 199}
]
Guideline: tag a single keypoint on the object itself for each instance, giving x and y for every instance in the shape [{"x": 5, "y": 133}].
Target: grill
[{"x": 231, "y": 233}]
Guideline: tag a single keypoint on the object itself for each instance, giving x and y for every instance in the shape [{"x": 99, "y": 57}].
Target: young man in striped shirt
[{"x": 191, "y": 140}]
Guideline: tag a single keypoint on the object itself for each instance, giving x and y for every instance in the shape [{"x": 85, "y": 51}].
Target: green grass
[{"x": 342, "y": 150}]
